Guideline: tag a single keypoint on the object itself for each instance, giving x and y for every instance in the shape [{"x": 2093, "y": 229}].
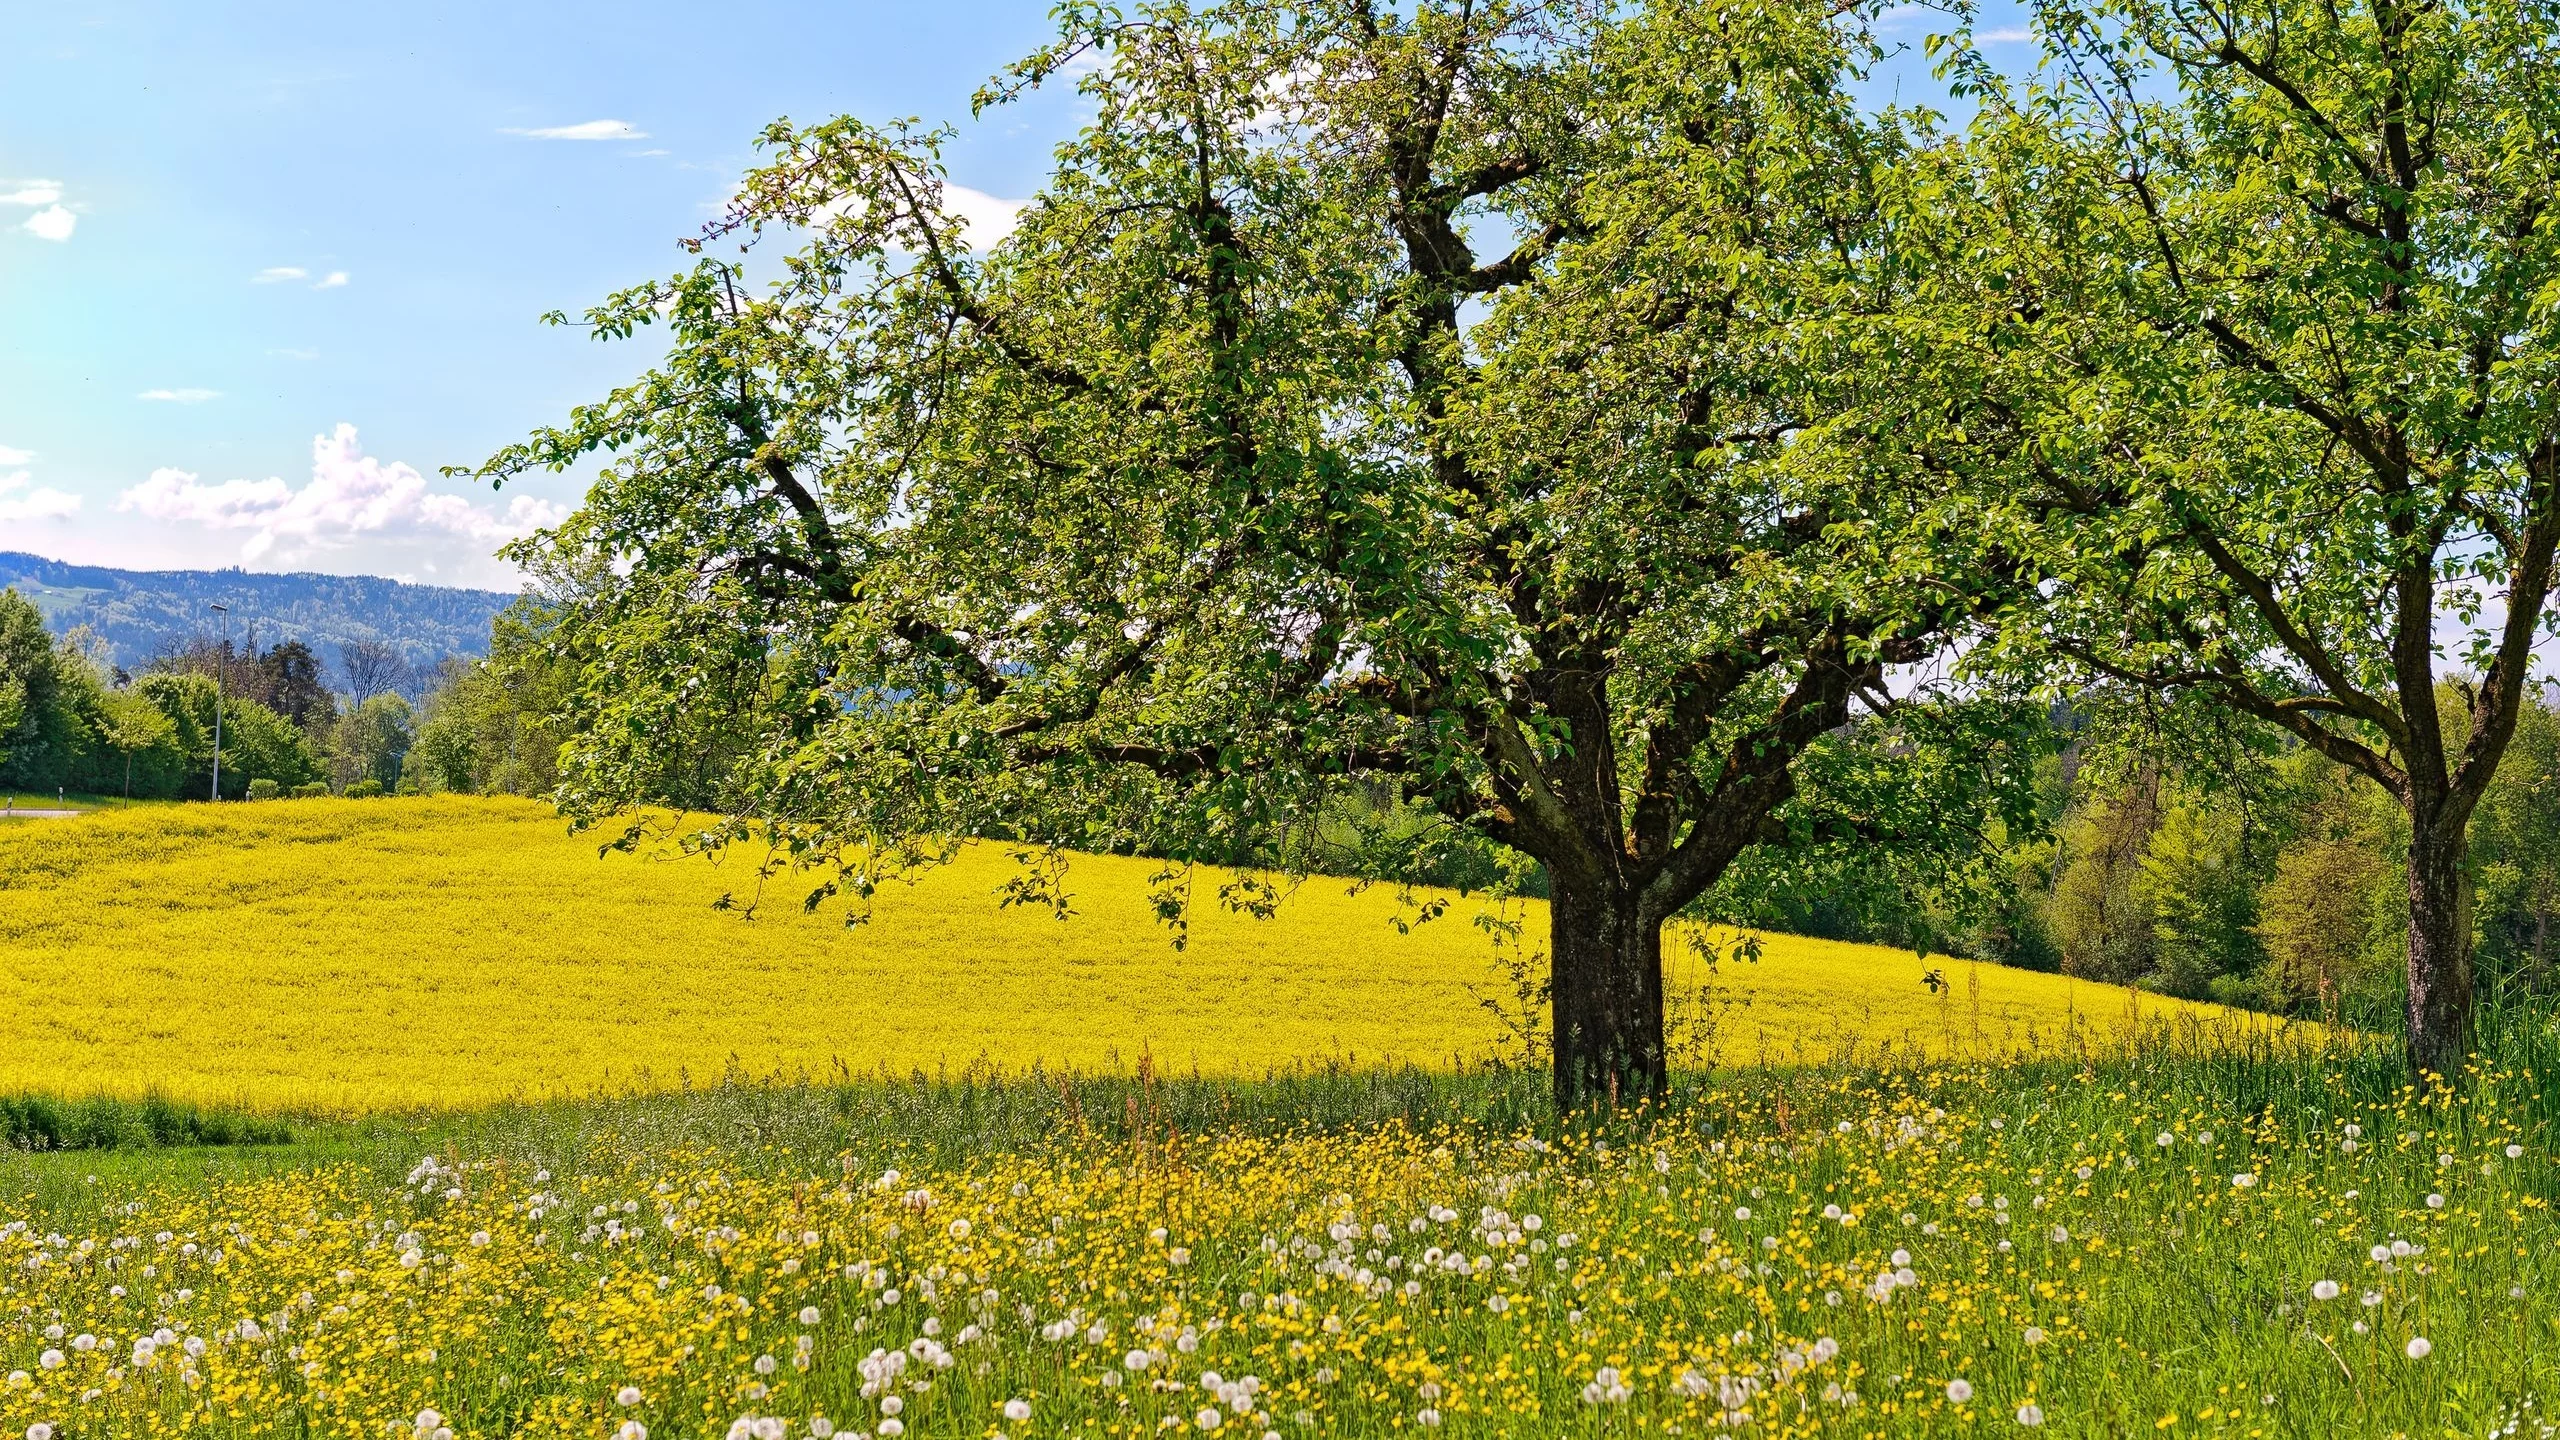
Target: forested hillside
[{"x": 137, "y": 612}]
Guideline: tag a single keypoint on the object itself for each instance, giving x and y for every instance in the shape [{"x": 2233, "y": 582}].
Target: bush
[
  {"x": 316, "y": 790},
  {"x": 263, "y": 789},
  {"x": 364, "y": 790}
]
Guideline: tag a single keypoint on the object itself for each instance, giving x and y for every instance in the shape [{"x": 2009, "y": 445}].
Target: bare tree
[{"x": 371, "y": 667}]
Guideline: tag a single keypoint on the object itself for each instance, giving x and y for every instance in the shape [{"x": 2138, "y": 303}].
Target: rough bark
[
  {"x": 2439, "y": 948},
  {"x": 1606, "y": 953}
]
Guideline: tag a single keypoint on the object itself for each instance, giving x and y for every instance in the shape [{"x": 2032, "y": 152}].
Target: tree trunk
[
  {"x": 1606, "y": 987},
  {"x": 2439, "y": 948}
]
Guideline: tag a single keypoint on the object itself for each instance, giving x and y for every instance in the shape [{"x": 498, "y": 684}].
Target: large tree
[
  {"x": 2263, "y": 312},
  {"x": 1438, "y": 396}
]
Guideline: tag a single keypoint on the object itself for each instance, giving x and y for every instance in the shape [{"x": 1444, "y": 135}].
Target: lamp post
[{"x": 221, "y": 663}]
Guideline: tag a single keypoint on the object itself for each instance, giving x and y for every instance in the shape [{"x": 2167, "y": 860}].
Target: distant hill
[{"x": 135, "y": 610}]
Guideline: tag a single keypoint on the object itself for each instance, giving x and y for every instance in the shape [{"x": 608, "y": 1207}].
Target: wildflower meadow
[{"x": 2193, "y": 1243}]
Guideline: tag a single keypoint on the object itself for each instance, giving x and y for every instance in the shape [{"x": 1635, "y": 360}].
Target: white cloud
[
  {"x": 52, "y": 223},
  {"x": 41, "y": 503},
  {"x": 33, "y": 192},
  {"x": 2010, "y": 36},
  {"x": 585, "y": 130},
  {"x": 11, "y": 455},
  {"x": 189, "y": 395},
  {"x": 351, "y": 497},
  {"x": 278, "y": 274},
  {"x": 985, "y": 219},
  {"x": 988, "y": 219}
]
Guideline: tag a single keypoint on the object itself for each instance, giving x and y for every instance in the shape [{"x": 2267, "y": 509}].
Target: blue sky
[{"x": 265, "y": 267}]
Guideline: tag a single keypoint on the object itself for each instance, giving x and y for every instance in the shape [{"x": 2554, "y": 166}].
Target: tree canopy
[
  {"x": 1591, "y": 429},
  {"x": 1467, "y": 399},
  {"x": 2255, "y": 307}
]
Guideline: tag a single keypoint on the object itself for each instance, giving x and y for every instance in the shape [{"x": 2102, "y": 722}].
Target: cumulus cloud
[
  {"x": 185, "y": 395},
  {"x": 985, "y": 219},
  {"x": 52, "y": 223},
  {"x": 584, "y": 130},
  {"x": 11, "y": 455},
  {"x": 40, "y": 503},
  {"x": 988, "y": 219},
  {"x": 334, "y": 280},
  {"x": 351, "y": 497}
]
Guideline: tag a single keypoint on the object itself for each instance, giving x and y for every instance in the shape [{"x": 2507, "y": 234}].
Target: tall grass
[
  {"x": 2177, "y": 1207},
  {"x": 98, "y": 1122}
]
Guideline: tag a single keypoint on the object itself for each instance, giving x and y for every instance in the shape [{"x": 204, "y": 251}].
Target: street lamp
[{"x": 222, "y": 662}]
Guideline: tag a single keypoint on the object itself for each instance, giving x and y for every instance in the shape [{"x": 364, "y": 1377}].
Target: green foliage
[
  {"x": 1237, "y": 482},
  {"x": 1908, "y": 830},
  {"x": 43, "y": 692},
  {"x": 2251, "y": 303},
  {"x": 365, "y": 789},
  {"x": 288, "y": 682},
  {"x": 2319, "y": 923},
  {"x": 372, "y": 742},
  {"x": 137, "y": 734},
  {"x": 257, "y": 743},
  {"x": 42, "y": 1122},
  {"x": 2515, "y": 854},
  {"x": 490, "y": 726},
  {"x": 2200, "y": 878},
  {"x": 312, "y": 791},
  {"x": 2101, "y": 911},
  {"x": 263, "y": 788}
]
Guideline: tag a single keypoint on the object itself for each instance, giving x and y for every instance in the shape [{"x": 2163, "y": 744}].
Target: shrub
[
  {"x": 364, "y": 790},
  {"x": 316, "y": 790},
  {"x": 263, "y": 789}
]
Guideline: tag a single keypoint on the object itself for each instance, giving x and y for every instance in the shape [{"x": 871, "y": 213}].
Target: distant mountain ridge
[{"x": 135, "y": 610}]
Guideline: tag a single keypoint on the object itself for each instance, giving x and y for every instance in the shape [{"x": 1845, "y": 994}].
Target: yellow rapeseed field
[{"x": 356, "y": 955}]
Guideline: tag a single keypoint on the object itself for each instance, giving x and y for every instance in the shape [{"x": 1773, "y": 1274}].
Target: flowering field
[
  {"x": 2187, "y": 1247},
  {"x": 341, "y": 956},
  {"x": 1894, "y": 1210}
]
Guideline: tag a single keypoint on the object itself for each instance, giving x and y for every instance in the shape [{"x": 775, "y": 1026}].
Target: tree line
[
  {"x": 72, "y": 719},
  {"x": 2266, "y": 877}
]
